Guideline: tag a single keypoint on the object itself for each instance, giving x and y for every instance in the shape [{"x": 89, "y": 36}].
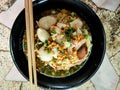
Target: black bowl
[{"x": 94, "y": 61}]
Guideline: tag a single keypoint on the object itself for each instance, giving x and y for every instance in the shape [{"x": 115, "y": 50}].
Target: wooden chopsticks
[{"x": 30, "y": 43}]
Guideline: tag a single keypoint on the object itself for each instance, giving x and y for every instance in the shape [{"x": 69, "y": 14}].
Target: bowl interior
[{"x": 95, "y": 58}]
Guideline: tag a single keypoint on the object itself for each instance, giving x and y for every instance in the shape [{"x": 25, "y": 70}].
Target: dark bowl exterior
[{"x": 95, "y": 58}]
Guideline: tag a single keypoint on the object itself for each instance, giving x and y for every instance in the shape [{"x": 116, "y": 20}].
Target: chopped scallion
[
  {"x": 67, "y": 56},
  {"x": 53, "y": 32},
  {"x": 63, "y": 51},
  {"x": 67, "y": 44},
  {"x": 46, "y": 42},
  {"x": 40, "y": 44},
  {"x": 71, "y": 20},
  {"x": 86, "y": 36}
]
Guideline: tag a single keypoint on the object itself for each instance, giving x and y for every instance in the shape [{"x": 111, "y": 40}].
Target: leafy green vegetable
[
  {"x": 62, "y": 42},
  {"x": 46, "y": 46},
  {"x": 40, "y": 44},
  {"x": 58, "y": 73},
  {"x": 53, "y": 32},
  {"x": 67, "y": 56},
  {"x": 71, "y": 20},
  {"x": 68, "y": 39},
  {"x": 58, "y": 48},
  {"x": 69, "y": 33},
  {"x": 46, "y": 43},
  {"x": 63, "y": 51},
  {"x": 86, "y": 36}
]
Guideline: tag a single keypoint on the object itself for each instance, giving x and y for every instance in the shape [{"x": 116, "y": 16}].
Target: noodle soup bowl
[{"x": 91, "y": 65}]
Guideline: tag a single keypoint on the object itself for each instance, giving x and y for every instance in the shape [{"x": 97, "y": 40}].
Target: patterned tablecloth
[{"x": 111, "y": 23}]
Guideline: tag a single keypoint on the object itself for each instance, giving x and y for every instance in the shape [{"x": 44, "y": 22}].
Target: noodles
[{"x": 62, "y": 43}]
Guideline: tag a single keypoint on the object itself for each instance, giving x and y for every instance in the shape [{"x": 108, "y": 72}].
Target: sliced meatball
[
  {"x": 42, "y": 34},
  {"x": 82, "y": 52},
  {"x": 46, "y": 22}
]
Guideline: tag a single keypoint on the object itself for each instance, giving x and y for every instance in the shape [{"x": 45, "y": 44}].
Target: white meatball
[
  {"x": 44, "y": 55},
  {"x": 42, "y": 34},
  {"x": 46, "y": 22}
]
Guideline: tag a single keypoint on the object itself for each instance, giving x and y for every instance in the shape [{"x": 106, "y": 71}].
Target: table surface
[{"x": 111, "y": 23}]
